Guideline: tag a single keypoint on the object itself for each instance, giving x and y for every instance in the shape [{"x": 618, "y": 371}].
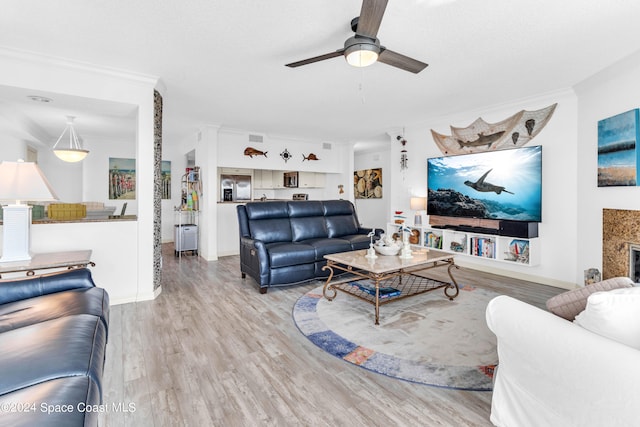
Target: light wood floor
[{"x": 212, "y": 351}]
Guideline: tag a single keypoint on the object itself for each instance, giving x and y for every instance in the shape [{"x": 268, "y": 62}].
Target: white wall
[
  {"x": 232, "y": 143},
  {"x": 558, "y": 230},
  {"x": 612, "y": 91},
  {"x": 375, "y": 212},
  {"x": 132, "y": 278}
]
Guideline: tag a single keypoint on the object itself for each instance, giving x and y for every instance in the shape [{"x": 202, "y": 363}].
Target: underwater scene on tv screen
[{"x": 504, "y": 184}]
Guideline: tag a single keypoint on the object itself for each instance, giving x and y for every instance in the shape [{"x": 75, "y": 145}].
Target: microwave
[{"x": 291, "y": 179}]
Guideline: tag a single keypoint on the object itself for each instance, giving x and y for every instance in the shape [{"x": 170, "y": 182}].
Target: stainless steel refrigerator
[{"x": 235, "y": 188}]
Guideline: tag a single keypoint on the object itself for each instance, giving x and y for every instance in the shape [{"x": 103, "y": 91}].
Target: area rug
[{"x": 425, "y": 339}]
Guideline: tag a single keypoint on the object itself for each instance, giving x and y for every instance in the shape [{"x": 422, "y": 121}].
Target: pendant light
[{"x": 73, "y": 151}]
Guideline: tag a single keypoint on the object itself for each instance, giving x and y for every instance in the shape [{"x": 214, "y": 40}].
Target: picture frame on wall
[
  {"x": 165, "y": 178},
  {"x": 367, "y": 183},
  {"x": 618, "y": 138},
  {"x": 122, "y": 178}
]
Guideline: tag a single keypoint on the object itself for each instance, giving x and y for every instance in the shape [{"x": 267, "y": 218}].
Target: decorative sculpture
[{"x": 512, "y": 132}]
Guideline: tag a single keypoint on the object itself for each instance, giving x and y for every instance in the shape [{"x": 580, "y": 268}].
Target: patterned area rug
[{"x": 425, "y": 339}]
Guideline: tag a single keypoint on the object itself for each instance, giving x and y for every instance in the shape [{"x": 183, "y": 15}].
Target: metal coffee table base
[{"x": 408, "y": 281}]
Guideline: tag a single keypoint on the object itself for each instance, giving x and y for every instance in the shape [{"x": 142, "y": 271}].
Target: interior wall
[
  {"x": 94, "y": 180},
  {"x": 232, "y": 143},
  {"x": 131, "y": 251},
  {"x": 374, "y": 212},
  {"x": 558, "y": 229},
  {"x": 612, "y": 91}
]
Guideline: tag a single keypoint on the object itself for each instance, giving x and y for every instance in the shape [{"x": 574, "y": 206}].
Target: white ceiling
[{"x": 222, "y": 62}]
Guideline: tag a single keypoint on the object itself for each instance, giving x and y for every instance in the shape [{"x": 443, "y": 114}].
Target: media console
[{"x": 501, "y": 243}]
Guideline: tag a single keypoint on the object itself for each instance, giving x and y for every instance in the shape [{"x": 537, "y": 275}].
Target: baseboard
[
  {"x": 516, "y": 274},
  {"x": 148, "y": 296}
]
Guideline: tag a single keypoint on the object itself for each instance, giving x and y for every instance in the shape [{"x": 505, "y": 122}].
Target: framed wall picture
[
  {"x": 122, "y": 178},
  {"x": 368, "y": 183},
  {"x": 165, "y": 176},
  {"x": 618, "y": 138}
]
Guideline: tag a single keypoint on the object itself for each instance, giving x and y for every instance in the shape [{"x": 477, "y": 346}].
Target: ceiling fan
[{"x": 363, "y": 49}]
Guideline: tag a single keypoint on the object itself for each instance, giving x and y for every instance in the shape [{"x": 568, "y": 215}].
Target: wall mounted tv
[{"x": 503, "y": 184}]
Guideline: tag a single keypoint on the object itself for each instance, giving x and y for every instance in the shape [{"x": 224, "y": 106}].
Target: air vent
[
  {"x": 326, "y": 146},
  {"x": 256, "y": 138}
]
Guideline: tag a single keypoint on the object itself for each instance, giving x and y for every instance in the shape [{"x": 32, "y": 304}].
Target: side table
[{"x": 49, "y": 260}]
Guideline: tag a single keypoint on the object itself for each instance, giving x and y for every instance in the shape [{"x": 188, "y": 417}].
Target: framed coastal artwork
[
  {"x": 368, "y": 183},
  {"x": 122, "y": 178},
  {"x": 165, "y": 177},
  {"x": 618, "y": 138}
]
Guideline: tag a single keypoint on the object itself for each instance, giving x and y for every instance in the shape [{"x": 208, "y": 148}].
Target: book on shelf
[
  {"x": 370, "y": 288},
  {"x": 433, "y": 240},
  {"x": 483, "y": 247}
]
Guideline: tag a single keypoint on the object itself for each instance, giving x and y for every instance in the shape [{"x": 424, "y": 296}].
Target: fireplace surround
[{"x": 621, "y": 244}]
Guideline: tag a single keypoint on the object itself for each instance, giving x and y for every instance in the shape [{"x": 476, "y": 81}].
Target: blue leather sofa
[
  {"x": 284, "y": 242},
  {"x": 53, "y": 335}
]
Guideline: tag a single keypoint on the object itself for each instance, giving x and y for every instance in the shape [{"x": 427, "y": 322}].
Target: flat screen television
[{"x": 502, "y": 184}]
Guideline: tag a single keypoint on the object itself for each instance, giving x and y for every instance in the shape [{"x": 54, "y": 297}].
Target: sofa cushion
[
  {"x": 569, "y": 304},
  {"x": 34, "y": 286},
  {"x": 308, "y": 228},
  {"x": 42, "y": 404},
  {"x": 68, "y": 346},
  {"x": 358, "y": 241},
  {"x": 341, "y": 225},
  {"x": 266, "y": 210},
  {"x": 271, "y": 230},
  {"x": 39, "y": 309},
  {"x": 328, "y": 246},
  {"x": 614, "y": 314},
  {"x": 287, "y": 254}
]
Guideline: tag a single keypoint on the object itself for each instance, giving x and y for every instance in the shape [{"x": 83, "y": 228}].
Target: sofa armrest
[
  {"x": 18, "y": 289},
  {"x": 553, "y": 372},
  {"x": 254, "y": 260},
  {"x": 364, "y": 230}
]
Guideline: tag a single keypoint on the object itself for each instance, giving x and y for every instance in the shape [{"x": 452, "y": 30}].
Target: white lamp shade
[
  {"x": 418, "y": 203},
  {"x": 24, "y": 181}
]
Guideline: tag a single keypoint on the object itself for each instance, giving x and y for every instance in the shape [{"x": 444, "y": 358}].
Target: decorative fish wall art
[
  {"x": 250, "y": 151},
  {"x": 512, "y": 132},
  {"x": 311, "y": 156}
]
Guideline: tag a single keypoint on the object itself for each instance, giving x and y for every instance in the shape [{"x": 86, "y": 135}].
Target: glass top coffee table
[{"x": 388, "y": 278}]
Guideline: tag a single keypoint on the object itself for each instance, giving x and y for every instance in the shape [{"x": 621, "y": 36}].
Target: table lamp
[
  {"x": 20, "y": 181},
  {"x": 418, "y": 204}
]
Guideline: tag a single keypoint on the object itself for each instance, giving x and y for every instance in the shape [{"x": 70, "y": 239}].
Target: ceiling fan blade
[
  {"x": 338, "y": 52},
  {"x": 397, "y": 60},
  {"x": 371, "y": 17}
]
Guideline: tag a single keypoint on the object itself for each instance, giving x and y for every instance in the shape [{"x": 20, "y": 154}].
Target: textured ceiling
[{"x": 223, "y": 61}]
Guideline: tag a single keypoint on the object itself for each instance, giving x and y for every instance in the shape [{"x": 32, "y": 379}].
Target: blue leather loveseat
[
  {"x": 284, "y": 242},
  {"x": 53, "y": 335}
]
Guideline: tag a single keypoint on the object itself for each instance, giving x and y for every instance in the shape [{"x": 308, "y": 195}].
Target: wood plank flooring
[{"x": 212, "y": 351}]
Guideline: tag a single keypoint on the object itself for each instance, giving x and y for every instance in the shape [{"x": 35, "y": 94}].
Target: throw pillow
[
  {"x": 614, "y": 314},
  {"x": 568, "y": 304}
]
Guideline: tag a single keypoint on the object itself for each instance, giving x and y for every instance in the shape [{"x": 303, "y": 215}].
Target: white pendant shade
[{"x": 73, "y": 151}]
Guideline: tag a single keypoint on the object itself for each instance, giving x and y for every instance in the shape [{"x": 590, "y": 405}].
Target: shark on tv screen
[{"x": 503, "y": 184}]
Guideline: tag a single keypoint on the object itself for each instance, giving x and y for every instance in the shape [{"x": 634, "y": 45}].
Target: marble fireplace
[{"x": 621, "y": 244}]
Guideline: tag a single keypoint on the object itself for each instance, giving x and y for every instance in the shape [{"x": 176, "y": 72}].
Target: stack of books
[{"x": 370, "y": 288}]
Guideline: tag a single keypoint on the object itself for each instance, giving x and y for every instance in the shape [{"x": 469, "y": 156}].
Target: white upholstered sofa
[{"x": 554, "y": 372}]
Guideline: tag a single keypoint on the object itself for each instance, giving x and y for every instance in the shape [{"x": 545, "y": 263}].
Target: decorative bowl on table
[{"x": 387, "y": 250}]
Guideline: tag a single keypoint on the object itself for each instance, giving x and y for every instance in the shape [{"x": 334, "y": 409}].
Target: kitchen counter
[{"x": 66, "y": 221}]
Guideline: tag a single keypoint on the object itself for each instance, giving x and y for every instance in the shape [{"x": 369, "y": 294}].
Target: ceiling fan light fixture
[
  {"x": 72, "y": 152},
  {"x": 361, "y": 54}
]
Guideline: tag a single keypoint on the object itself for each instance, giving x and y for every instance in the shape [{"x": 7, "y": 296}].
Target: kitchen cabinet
[
  {"x": 311, "y": 180},
  {"x": 235, "y": 171},
  {"x": 263, "y": 179},
  {"x": 278, "y": 179}
]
